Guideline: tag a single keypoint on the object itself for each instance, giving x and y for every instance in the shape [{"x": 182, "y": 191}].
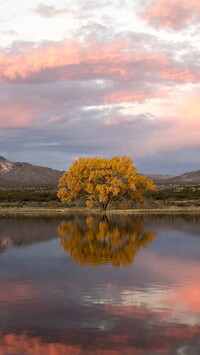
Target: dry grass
[{"x": 165, "y": 199}]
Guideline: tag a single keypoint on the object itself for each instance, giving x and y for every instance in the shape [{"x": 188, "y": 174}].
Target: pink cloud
[
  {"x": 23, "y": 111},
  {"x": 16, "y": 116},
  {"x": 184, "y": 296},
  {"x": 125, "y": 96},
  {"x": 131, "y": 74},
  {"x": 67, "y": 53},
  {"x": 174, "y": 301},
  {"x": 179, "y": 127},
  {"x": 171, "y": 13},
  {"x": 72, "y": 60},
  {"x": 172, "y": 134},
  {"x": 131, "y": 95}
]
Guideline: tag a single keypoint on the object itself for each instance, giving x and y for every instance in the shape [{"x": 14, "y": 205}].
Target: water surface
[{"x": 100, "y": 285}]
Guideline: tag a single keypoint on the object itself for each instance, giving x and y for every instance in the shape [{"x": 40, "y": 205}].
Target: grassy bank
[
  {"x": 174, "y": 195},
  {"x": 166, "y": 198}
]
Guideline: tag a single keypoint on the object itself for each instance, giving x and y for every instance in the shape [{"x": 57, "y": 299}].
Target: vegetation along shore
[
  {"x": 95, "y": 185},
  {"x": 166, "y": 198}
]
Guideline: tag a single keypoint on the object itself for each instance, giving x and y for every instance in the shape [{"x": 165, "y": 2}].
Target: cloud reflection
[
  {"x": 124, "y": 339},
  {"x": 51, "y": 306}
]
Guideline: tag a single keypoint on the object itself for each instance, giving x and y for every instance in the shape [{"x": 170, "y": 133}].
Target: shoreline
[{"x": 64, "y": 211}]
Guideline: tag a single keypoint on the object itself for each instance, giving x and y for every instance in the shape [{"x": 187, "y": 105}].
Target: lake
[{"x": 103, "y": 285}]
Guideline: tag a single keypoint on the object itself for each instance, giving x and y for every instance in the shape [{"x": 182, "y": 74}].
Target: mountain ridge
[
  {"x": 189, "y": 177},
  {"x": 25, "y": 174}
]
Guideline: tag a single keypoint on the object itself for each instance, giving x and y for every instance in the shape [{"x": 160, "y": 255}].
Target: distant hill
[
  {"x": 160, "y": 177},
  {"x": 24, "y": 174},
  {"x": 190, "y": 177}
]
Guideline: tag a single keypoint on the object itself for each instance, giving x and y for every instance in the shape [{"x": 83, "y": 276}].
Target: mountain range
[
  {"x": 24, "y": 174},
  {"x": 190, "y": 177}
]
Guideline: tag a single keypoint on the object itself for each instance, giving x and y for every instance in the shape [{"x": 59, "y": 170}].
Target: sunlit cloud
[
  {"x": 179, "y": 126},
  {"x": 34, "y": 345},
  {"x": 83, "y": 78},
  {"x": 16, "y": 116},
  {"x": 72, "y": 60},
  {"x": 171, "y": 13}
]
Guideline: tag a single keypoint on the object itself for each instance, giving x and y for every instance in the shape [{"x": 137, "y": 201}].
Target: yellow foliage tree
[
  {"x": 95, "y": 241},
  {"x": 100, "y": 182}
]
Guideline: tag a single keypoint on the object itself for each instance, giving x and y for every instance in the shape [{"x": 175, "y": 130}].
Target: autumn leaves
[{"x": 102, "y": 182}]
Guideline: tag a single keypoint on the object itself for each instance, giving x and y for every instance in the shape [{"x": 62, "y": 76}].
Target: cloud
[
  {"x": 178, "y": 128},
  {"x": 118, "y": 60},
  {"x": 97, "y": 84},
  {"x": 9, "y": 32},
  {"x": 48, "y": 11},
  {"x": 75, "y": 116},
  {"x": 174, "y": 14},
  {"x": 15, "y": 116},
  {"x": 100, "y": 97}
]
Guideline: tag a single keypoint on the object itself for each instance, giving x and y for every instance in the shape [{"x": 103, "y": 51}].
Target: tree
[
  {"x": 101, "y": 182},
  {"x": 102, "y": 240}
]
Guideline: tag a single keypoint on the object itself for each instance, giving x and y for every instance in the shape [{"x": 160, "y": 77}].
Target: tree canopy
[{"x": 101, "y": 182}]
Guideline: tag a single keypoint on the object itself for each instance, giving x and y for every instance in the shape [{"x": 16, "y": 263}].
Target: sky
[{"x": 101, "y": 78}]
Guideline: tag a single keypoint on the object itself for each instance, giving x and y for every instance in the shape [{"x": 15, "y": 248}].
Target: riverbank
[{"x": 63, "y": 211}]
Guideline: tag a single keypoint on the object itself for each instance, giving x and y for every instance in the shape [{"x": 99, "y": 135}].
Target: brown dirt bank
[{"x": 63, "y": 211}]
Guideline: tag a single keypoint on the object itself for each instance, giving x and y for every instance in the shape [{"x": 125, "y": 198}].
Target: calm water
[{"x": 91, "y": 285}]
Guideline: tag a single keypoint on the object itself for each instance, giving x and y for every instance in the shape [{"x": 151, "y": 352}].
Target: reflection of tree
[{"x": 94, "y": 240}]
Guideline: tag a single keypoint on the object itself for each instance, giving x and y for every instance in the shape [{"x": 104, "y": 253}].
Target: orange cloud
[
  {"x": 171, "y": 13},
  {"x": 110, "y": 344},
  {"x": 23, "y": 344},
  {"x": 105, "y": 343}
]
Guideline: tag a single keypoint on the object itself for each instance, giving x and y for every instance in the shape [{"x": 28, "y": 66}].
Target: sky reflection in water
[{"x": 100, "y": 285}]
